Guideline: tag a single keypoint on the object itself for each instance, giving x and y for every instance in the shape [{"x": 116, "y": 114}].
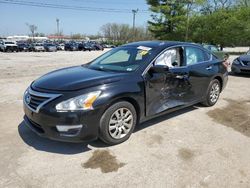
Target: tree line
[{"x": 224, "y": 22}]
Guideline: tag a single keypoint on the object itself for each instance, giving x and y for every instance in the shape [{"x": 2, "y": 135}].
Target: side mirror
[{"x": 159, "y": 69}]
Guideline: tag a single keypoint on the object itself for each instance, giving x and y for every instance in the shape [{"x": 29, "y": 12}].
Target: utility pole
[
  {"x": 134, "y": 13},
  {"x": 57, "y": 25}
]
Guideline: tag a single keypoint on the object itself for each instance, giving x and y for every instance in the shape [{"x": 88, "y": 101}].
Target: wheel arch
[{"x": 220, "y": 80}]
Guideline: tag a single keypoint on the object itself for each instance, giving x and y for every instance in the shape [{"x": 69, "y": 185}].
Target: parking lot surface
[{"x": 194, "y": 147}]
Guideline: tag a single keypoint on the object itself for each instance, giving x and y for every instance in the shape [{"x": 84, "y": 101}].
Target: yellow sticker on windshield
[{"x": 143, "y": 52}]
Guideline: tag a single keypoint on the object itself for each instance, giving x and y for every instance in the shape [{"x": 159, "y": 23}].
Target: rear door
[{"x": 201, "y": 68}]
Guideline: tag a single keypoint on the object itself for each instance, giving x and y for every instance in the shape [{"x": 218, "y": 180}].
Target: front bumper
[
  {"x": 240, "y": 69},
  {"x": 45, "y": 121}
]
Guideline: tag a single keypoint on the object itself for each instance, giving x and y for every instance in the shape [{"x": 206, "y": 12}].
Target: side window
[
  {"x": 207, "y": 56},
  {"x": 171, "y": 57},
  {"x": 194, "y": 55}
]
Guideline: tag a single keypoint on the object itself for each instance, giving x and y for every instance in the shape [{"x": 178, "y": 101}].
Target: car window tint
[
  {"x": 119, "y": 56},
  {"x": 194, "y": 55},
  {"x": 207, "y": 56}
]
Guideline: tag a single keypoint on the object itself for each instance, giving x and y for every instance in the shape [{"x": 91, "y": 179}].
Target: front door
[{"x": 171, "y": 89}]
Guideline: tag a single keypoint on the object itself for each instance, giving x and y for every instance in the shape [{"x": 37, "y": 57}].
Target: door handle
[{"x": 209, "y": 67}]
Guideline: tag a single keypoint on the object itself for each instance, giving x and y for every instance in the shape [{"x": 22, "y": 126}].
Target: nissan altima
[
  {"x": 107, "y": 97},
  {"x": 242, "y": 64}
]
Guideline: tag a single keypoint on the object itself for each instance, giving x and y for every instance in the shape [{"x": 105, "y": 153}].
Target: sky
[{"x": 14, "y": 17}]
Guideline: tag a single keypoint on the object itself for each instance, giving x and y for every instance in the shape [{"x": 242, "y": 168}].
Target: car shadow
[
  {"x": 44, "y": 144},
  {"x": 47, "y": 145},
  {"x": 165, "y": 117}
]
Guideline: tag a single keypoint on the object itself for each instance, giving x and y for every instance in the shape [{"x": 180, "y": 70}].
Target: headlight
[
  {"x": 236, "y": 62},
  {"x": 82, "y": 102}
]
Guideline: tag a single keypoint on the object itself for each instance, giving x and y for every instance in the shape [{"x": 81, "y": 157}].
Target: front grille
[
  {"x": 246, "y": 63},
  {"x": 245, "y": 71},
  {"x": 35, "y": 100}
]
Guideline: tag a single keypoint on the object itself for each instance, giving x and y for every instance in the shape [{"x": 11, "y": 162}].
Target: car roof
[{"x": 159, "y": 44}]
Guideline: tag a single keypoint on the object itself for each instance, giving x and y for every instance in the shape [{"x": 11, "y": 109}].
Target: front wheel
[
  {"x": 117, "y": 123},
  {"x": 213, "y": 93}
]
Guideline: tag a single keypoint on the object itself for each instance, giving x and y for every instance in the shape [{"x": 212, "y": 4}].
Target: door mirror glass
[{"x": 159, "y": 69}]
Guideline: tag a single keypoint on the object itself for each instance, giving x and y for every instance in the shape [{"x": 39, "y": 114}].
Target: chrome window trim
[
  {"x": 175, "y": 46},
  {"x": 35, "y": 93}
]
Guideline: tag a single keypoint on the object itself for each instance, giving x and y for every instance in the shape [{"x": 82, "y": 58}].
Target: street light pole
[
  {"x": 57, "y": 25},
  {"x": 134, "y": 13}
]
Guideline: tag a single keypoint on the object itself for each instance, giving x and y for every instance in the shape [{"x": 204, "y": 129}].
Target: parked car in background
[
  {"x": 49, "y": 47},
  {"x": 241, "y": 64},
  {"x": 71, "y": 46},
  {"x": 60, "y": 46},
  {"x": 37, "y": 47},
  {"x": 109, "y": 96},
  {"x": 8, "y": 46},
  {"x": 85, "y": 46},
  {"x": 23, "y": 47},
  {"x": 215, "y": 50},
  {"x": 98, "y": 46}
]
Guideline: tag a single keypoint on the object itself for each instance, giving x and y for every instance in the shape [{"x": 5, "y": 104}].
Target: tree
[
  {"x": 245, "y": 3},
  {"x": 225, "y": 27},
  {"x": 210, "y": 6},
  {"x": 77, "y": 36},
  {"x": 170, "y": 18},
  {"x": 123, "y": 33},
  {"x": 33, "y": 29}
]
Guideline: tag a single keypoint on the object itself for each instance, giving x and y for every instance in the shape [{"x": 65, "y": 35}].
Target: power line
[
  {"x": 61, "y": 6},
  {"x": 105, "y": 1}
]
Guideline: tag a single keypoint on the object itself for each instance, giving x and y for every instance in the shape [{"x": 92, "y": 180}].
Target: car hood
[
  {"x": 75, "y": 78},
  {"x": 244, "y": 58}
]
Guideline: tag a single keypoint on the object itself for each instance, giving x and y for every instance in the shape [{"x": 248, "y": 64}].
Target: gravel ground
[{"x": 194, "y": 147}]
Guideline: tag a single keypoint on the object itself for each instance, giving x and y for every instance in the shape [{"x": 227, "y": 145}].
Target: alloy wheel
[
  {"x": 120, "y": 123},
  {"x": 214, "y": 92}
]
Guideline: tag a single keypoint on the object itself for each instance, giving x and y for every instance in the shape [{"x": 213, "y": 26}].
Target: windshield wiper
[{"x": 98, "y": 68}]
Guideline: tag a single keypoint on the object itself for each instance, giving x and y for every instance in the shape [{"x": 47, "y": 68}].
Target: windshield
[{"x": 123, "y": 59}]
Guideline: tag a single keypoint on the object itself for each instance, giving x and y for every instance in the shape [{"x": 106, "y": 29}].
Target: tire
[
  {"x": 113, "y": 130},
  {"x": 213, "y": 93}
]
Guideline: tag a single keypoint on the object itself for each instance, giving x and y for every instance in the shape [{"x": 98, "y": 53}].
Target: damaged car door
[{"x": 167, "y": 82}]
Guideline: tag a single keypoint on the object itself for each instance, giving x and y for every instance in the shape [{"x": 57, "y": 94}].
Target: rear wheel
[
  {"x": 117, "y": 123},
  {"x": 213, "y": 93}
]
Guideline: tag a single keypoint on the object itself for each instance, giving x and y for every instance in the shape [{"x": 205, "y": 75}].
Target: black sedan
[
  {"x": 85, "y": 47},
  {"x": 109, "y": 96},
  {"x": 242, "y": 64},
  {"x": 23, "y": 47},
  {"x": 71, "y": 46}
]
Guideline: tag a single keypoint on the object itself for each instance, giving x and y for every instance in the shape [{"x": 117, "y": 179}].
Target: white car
[
  {"x": 8, "y": 46},
  {"x": 38, "y": 47}
]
